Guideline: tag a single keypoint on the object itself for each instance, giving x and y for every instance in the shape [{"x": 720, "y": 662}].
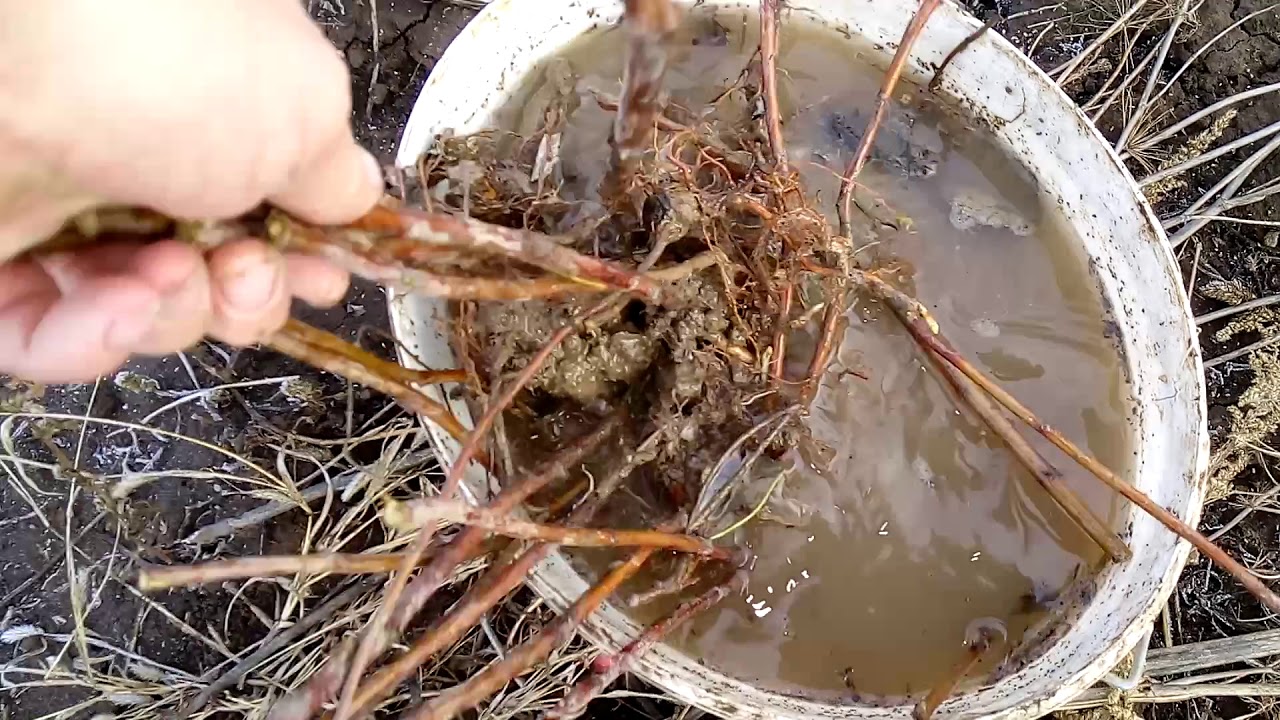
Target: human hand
[{"x": 197, "y": 109}]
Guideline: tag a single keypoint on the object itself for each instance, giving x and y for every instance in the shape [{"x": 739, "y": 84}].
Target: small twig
[
  {"x": 153, "y": 579},
  {"x": 993, "y": 20},
  {"x": 1241, "y": 352},
  {"x": 458, "y": 699},
  {"x": 426, "y": 511},
  {"x": 974, "y": 651},
  {"x": 299, "y": 341},
  {"x": 605, "y": 669},
  {"x": 1236, "y": 309},
  {"x": 304, "y": 702}
]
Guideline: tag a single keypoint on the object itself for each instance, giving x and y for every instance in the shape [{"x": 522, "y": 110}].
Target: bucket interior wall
[{"x": 1129, "y": 257}]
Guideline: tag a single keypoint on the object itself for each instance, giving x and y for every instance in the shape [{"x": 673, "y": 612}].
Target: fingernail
[
  {"x": 132, "y": 327},
  {"x": 251, "y": 282}
]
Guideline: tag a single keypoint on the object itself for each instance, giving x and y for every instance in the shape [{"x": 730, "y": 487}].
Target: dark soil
[{"x": 412, "y": 34}]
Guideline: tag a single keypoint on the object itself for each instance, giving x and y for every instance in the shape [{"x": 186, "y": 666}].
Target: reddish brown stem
[
  {"x": 1219, "y": 557},
  {"x": 917, "y": 320},
  {"x": 913, "y": 314},
  {"x": 837, "y": 295},
  {"x": 381, "y": 632},
  {"x": 394, "y": 246},
  {"x": 426, "y": 511},
  {"x": 777, "y": 371},
  {"x": 648, "y": 25},
  {"x": 891, "y": 77},
  {"x": 1049, "y": 477},
  {"x": 438, "y": 571},
  {"x": 396, "y": 371},
  {"x": 828, "y": 338},
  {"x": 769, "y": 81},
  {"x": 299, "y": 341},
  {"x": 501, "y": 578},
  {"x": 460, "y": 698},
  {"x": 926, "y": 333},
  {"x": 608, "y": 668},
  {"x": 945, "y": 689},
  {"x": 152, "y": 579}
]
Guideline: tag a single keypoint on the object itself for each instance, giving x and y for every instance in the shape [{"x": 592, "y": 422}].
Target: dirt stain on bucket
[{"x": 906, "y": 524}]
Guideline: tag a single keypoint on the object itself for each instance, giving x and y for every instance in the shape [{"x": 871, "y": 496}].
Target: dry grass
[
  {"x": 110, "y": 674},
  {"x": 1254, "y": 420}
]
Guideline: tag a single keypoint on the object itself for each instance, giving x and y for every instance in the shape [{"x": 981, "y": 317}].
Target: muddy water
[{"x": 919, "y": 525}]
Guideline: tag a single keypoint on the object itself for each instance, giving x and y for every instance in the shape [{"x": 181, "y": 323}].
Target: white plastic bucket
[{"x": 1131, "y": 259}]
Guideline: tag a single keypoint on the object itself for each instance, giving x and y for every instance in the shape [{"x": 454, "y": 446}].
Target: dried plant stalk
[
  {"x": 286, "y": 637},
  {"x": 1215, "y": 553},
  {"x": 1049, "y": 477},
  {"x": 153, "y": 579},
  {"x": 648, "y": 25},
  {"x": 460, "y": 698},
  {"x": 769, "y": 82},
  {"x": 392, "y": 245},
  {"x": 441, "y": 568},
  {"x": 327, "y": 352},
  {"x": 425, "y": 511},
  {"x": 883, "y": 97},
  {"x": 606, "y": 669},
  {"x": 973, "y": 653},
  {"x": 926, "y": 333}
]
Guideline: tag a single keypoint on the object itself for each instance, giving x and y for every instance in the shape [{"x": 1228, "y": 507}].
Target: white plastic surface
[{"x": 1132, "y": 263}]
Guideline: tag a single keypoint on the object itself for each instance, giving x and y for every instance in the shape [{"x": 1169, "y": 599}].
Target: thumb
[{"x": 339, "y": 184}]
